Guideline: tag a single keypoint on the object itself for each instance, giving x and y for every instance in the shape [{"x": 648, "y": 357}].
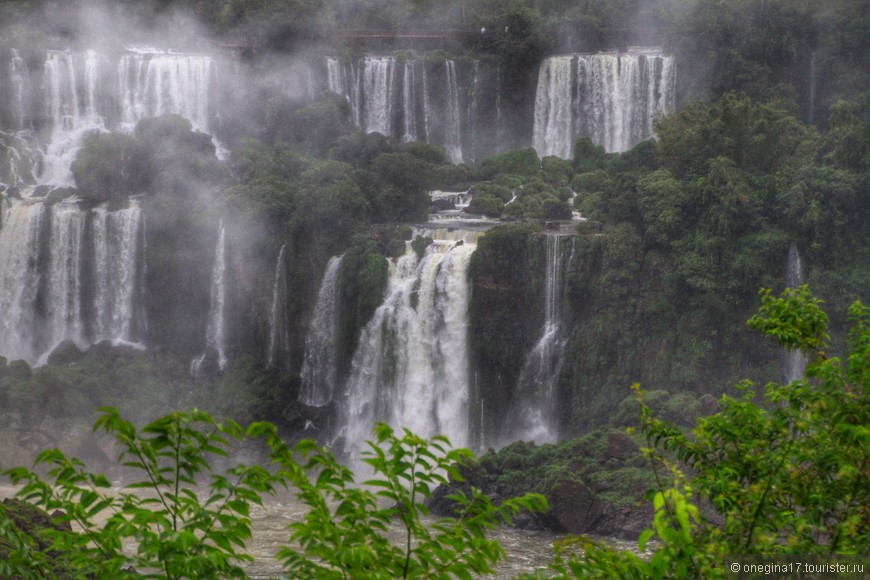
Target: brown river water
[{"x": 526, "y": 550}]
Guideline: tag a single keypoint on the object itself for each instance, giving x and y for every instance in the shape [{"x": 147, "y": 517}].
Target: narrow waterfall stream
[
  {"x": 320, "y": 366},
  {"x": 533, "y": 414}
]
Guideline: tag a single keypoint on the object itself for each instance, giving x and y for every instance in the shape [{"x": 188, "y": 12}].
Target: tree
[{"x": 787, "y": 475}]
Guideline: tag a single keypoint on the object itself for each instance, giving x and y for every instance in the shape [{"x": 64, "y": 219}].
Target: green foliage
[
  {"x": 785, "y": 476},
  {"x": 176, "y": 530},
  {"x": 181, "y": 518},
  {"x": 520, "y": 162},
  {"x": 343, "y": 533}
]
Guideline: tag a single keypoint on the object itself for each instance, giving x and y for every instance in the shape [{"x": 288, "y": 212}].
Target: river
[{"x": 526, "y": 550}]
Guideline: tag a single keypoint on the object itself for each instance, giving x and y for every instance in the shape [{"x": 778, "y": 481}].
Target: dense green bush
[{"x": 783, "y": 476}]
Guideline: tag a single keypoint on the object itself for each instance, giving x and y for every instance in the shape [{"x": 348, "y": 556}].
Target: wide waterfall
[
  {"x": 320, "y": 366},
  {"x": 69, "y": 270},
  {"x": 87, "y": 92},
  {"x": 152, "y": 84},
  {"x": 58, "y": 283},
  {"x": 533, "y": 411},
  {"x": 611, "y": 98},
  {"x": 411, "y": 366},
  {"x": 404, "y": 103},
  {"x": 794, "y": 362}
]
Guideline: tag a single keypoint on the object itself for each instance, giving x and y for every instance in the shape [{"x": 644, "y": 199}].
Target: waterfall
[
  {"x": 46, "y": 264},
  {"x": 73, "y": 90},
  {"x": 215, "y": 330},
  {"x": 20, "y": 79},
  {"x": 452, "y": 139},
  {"x": 411, "y": 106},
  {"x": 20, "y": 244},
  {"x": 117, "y": 266},
  {"x": 611, "y": 98},
  {"x": 533, "y": 412},
  {"x": 409, "y": 102},
  {"x": 794, "y": 361},
  {"x": 411, "y": 366},
  {"x": 64, "y": 293},
  {"x": 152, "y": 84},
  {"x": 319, "y": 368},
  {"x": 279, "y": 336},
  {"x": 376, "y": 94}
]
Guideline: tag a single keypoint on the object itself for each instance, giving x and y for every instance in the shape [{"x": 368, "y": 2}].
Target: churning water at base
[
  {"x": 611, "y": 98},
  {"x": 411, "y": 366},
  {"x": 533, "y": 412},
  {"x": 320, "y": 366}
]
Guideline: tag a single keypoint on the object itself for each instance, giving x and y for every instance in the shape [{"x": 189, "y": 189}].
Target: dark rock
[
  {"x": 620, "y": 446},
  {"x": 65, "y": 353},
  {"x": 60, "y": 194},
  {"x": 575, "y": 507},
  {"x": 443, "y": 204},
  {"x": 552, "y": 225},
  {"x": 41, "y": 191}
]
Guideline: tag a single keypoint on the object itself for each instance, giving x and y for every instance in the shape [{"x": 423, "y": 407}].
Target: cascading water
[
  {"x": 794, "y": 361},
  {"x": 452, "y": 138},
  {"x": 44, "y": 270},
  {"x": 533, "y": 412},
  {"x": 279, "y": 332},
  {"x": 320, "y": 366},
  {"x": 64, "y": 290},
  {"x": 155, "y": 83},
  {"x": 118, "y": 266},
  {"x": 19, "y": 77},
  {"x": 72, "y": 88},
  {"x": 411, "y": 366},
  {"x": 409, "y": 102},
  {"x": 611, "y": 98},
  {"x": 215, "y": 329},
  {"x": 407, "y": 105},
  {"x": 20, "y": 244}
]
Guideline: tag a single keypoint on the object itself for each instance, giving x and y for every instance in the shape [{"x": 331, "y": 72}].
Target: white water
[
  {"x": 401, "y": 104},
  {"x": 319, "y": 368},
  {"x": 533, "y": 415},
  {"x": 155, "y": 83},
  {"x": 64, "y": 294},
  {"x": 409, "y": 102},
  {"x": 19, "y": 279},
  {"x": 611, "y": 98},
  {"x": 215, "y": 332},
  {"x": 118, "y": 264},
  {"x": 43, "y": 273},
  {"x": 411, "y": 366},
  {"x": 279, "y": 337},
  {"x": 453, "y": 138},
  {"x": 20, "y": 79},
  {"x": 72, "y": 87}
]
